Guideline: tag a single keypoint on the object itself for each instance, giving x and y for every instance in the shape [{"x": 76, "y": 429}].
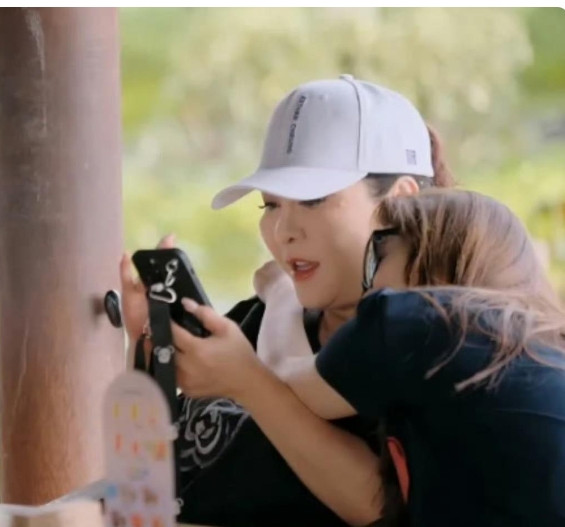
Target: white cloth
[{"x": 282, "y": 336}]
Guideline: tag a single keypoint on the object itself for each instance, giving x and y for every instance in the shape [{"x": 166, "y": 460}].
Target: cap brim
[{"x": 297, "y": 183}]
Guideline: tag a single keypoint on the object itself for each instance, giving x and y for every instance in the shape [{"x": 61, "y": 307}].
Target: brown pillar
[{"x": 60, "y": 241}]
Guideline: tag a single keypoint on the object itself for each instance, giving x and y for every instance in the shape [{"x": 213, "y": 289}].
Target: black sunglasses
[{"x": 374, "y": 255}]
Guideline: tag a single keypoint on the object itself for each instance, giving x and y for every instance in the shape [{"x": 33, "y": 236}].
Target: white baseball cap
[{"x": 327, "y": 135}]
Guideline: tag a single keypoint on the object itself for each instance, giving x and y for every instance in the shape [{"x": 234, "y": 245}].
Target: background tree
[{"x": 200, "y": 85}]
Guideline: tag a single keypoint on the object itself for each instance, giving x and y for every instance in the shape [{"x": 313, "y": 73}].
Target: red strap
[{"x": 399, "y": 459}]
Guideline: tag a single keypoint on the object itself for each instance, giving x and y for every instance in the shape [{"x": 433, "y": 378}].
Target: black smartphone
[{"x": 169, "y": 276}]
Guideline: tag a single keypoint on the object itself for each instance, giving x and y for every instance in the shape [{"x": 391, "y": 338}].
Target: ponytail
[{"x": 442, "y": 174}]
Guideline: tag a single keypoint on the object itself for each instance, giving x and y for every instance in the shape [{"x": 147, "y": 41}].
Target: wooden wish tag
[{"x": 138, "y": 444}]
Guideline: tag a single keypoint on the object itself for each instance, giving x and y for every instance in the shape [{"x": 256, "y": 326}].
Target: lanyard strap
[{"x": 162, "y": 365}]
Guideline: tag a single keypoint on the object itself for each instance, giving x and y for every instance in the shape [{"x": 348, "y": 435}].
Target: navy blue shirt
[{"x": 481, "y": 457}]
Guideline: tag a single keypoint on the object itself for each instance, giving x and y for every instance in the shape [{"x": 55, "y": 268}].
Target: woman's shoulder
[
  {"x": 413, "y": 307},
  {"x": 407, "y": 320}
]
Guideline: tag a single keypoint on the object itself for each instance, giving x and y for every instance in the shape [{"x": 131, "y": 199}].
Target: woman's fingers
[
  {"x": 126, "y": 276},
  {"x": 212, "y": 321},
  {"x": 167, "y": 242},
  {"x": 183, "y": 339}
]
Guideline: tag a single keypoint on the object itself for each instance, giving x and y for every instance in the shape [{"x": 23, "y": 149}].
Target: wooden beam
[{"x": 60, "y": 241}]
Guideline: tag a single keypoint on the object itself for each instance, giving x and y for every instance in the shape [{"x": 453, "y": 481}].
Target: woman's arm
[
  {"x": 338, "y": 467},
  {"x": 300, "y": 374}
]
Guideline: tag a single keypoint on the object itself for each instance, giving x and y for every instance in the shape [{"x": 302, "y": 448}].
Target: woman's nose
[{"x": 288, "y": 227}]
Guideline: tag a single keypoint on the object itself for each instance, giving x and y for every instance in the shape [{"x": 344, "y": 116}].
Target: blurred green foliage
[{"x": 199, "y": 86}]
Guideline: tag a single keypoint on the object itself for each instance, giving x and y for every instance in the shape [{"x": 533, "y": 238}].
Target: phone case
[{"x": 169, "y": 276}]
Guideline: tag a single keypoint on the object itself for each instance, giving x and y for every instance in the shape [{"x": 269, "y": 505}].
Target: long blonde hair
[{"x": 464, "y": 241}]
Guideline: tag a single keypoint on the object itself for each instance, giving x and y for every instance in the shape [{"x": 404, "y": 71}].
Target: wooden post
[{"x": 60, "y": 242}]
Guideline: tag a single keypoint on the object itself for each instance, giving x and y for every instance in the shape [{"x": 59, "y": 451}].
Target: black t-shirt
[
  {"x": 231, "y": 474},
  {"x": 480, "y": 457}
]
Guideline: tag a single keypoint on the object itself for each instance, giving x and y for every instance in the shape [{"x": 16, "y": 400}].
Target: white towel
[{"x": 282, "y": 336}]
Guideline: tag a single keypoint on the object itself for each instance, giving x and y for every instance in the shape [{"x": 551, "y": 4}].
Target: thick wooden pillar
[{"x": 60, "y": 241}]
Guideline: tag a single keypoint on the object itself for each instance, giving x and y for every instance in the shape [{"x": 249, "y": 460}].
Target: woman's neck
[{"x": 333, "y": 319}]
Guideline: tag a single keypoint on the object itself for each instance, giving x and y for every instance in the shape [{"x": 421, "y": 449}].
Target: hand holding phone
[{"x": 168, "y": 277}]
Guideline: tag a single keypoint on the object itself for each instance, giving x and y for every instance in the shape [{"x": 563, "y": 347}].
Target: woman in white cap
[{"x": 334, "y": 148}]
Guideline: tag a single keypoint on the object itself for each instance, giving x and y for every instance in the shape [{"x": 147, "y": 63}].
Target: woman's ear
[{"x": 404, "y": 186}]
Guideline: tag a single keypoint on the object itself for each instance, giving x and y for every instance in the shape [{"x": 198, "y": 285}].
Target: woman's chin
[
  {"x": 326, "y": 298},
  {"x": 312, "y": 299}
]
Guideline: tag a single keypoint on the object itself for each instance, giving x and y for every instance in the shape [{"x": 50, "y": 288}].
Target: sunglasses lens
[
  {"x": 373, "y": 255},
  {"x": 370, "y": 265}
]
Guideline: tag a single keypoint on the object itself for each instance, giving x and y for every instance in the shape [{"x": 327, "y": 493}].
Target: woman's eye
[
  {"x": 268, "y": 205},
  {"x": 312, "y": 202}
]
